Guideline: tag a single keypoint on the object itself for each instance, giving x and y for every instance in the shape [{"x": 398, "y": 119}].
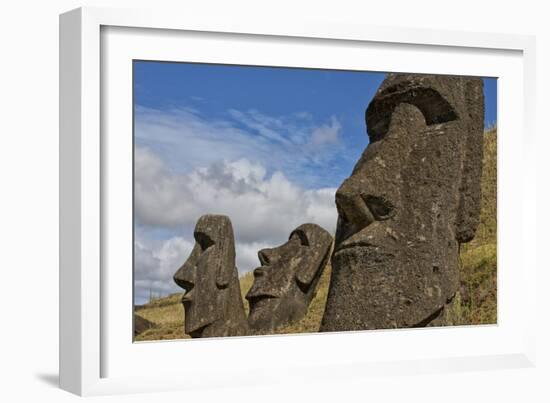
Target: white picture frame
[{"x": 96, "y": 354}]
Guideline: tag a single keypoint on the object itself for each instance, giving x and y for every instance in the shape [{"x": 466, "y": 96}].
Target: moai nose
[
  {"x": 353, "y": 212},
  {"x": 185, "y": 276}
]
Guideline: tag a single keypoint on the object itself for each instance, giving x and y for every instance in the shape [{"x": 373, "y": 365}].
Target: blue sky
[
  {"x": 266, "y": 146},
  {"x": 216, "y": 90}
]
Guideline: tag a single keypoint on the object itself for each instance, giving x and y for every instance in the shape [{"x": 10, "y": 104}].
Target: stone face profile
[
  {"x": 412, "y": 199},
  {"x": 212, "y": 301},
  {"x": 284, "y": 284}
]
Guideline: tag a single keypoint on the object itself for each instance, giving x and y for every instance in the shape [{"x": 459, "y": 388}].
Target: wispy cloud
[
  {"x": 293, "y": 144},
  {"x": 327, "y": 133},
  {"x": 271, "y": 129}
]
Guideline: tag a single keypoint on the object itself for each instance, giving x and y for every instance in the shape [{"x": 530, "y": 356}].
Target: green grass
[{"x": 475, "y": 303}]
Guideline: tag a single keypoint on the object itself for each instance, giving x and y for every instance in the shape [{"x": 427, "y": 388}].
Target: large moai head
[
  {"x": 284, "y": 284},
  {"x": 412, "y": 199},
  {"x": 212, "y": 301}
]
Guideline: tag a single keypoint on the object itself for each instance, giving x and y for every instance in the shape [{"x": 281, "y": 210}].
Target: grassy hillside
[{"x": 475, "y": 302}]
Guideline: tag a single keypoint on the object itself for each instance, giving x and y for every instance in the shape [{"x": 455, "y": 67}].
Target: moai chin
[
  {"x": 412, "y": 199},
  {"x": 212, "y": 301},
  {"x": 285, "y": 282}
]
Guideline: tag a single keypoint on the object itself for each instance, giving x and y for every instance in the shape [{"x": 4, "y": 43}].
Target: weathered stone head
[
  {"x": 412, "y": 199},
  {"x": 212, "y": 301},
  {"x": 285, "y": 282}
]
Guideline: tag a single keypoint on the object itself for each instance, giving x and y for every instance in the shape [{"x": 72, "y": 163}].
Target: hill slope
[{"x": 474, "y": 304}]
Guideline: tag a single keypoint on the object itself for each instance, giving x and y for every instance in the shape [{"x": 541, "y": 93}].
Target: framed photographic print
[{"x": 270, "y": 191}]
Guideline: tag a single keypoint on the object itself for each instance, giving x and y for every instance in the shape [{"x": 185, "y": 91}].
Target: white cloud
[
  {"x": 155, "y": 264},
  {"x": 247, "y": 254},
  {"x": 261, "y": 208},
  {"x": 327, "y": 134}
]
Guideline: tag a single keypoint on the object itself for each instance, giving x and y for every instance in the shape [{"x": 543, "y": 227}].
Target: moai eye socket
[
  {"x": 380, "y": 207},
  {"x": 301, "y": 235},
  {"x": 203, "y": 240}
]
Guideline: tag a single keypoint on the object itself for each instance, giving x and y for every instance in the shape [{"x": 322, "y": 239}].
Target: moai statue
[
  {"x": 284, "y": 285},
  {"x": 212, "y": 301},
  {"x": 412, "y": 199}
]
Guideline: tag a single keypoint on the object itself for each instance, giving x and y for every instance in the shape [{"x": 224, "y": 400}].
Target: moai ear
[
  {"x": 467, "y": 218},
  {"x": 226, "y": 261},
  {"x": 319, "y": 243}
]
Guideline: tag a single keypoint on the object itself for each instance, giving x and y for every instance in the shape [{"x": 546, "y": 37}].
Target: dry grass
[
  {"x": 246, "y": 282},
  {"x": 475, "y": 303},
  {"x": 487, "y": 230},
  {"x": 167, "y": 315}
]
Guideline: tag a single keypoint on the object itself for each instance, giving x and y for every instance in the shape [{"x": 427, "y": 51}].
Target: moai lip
[
  {"x": 412, "y": 199},
  {"x": 285, "y": 282},
  {"x": 212, "y": 301}
]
